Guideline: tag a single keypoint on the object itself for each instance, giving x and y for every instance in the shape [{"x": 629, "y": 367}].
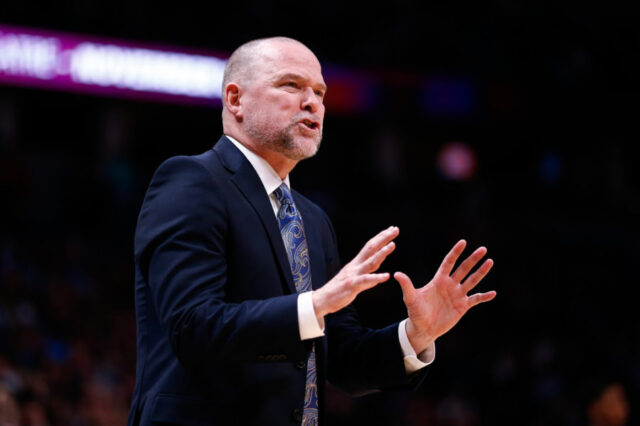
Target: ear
[{"x": 231, "y": 98}]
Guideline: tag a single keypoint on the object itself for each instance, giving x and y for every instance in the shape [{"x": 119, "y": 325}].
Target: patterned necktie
[{"x": 295, "y": 244}]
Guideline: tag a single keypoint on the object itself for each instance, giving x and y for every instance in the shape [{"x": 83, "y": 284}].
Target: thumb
[{"x": 408, "y": 290}]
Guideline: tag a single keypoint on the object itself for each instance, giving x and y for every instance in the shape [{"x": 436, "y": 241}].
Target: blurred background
[{"x": 509, "y": 123}]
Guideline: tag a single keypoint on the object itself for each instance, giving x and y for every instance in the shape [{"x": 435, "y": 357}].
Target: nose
[{"x": 311, "y": 102}]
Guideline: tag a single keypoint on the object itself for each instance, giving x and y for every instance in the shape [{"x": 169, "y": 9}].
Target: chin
[
  {"x": 304, "y": 149},
  {"x": 298, "y": 154}
]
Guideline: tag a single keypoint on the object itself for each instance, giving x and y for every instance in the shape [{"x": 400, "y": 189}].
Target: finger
[
  {"x": 366, "y": 281},
  {"x": 374, "y": 262},
  {"x": 408, "y": 290},
  {"x": 477, "y": 276},
  {"x": 377, "y": 242},
  {"x": 481, "y": 298},
  {"x": 451, "y": 257},
  {"x": 468, "y": 264}
]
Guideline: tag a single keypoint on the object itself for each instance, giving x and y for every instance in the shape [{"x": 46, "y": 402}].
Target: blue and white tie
[{"x": 295, "y": 244}]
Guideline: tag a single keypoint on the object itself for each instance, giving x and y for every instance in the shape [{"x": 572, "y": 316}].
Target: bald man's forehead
[
  {"x": 281, "y": 52},
  {"x": 262, "y": 60},
  {"x": 287, "y": 53}
]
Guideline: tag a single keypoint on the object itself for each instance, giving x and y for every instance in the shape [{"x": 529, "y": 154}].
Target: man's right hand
[{"x": 356, "y": 276}]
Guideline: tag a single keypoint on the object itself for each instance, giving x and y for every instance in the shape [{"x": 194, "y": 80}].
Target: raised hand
[
  {"x": 357, "y": 275},
  {"x": 435, "y": 308}
]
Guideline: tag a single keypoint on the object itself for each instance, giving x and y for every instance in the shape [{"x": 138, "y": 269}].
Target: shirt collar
[{"x": 269, "y": 178}]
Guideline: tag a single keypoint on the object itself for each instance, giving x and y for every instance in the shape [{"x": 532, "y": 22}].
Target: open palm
[{"x": 435, "y": 308}]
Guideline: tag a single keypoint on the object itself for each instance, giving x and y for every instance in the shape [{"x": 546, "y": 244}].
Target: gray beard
[{"x": 282, "y": 141}]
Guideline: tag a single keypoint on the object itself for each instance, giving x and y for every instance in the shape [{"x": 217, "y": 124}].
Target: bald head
[{"x": 247, "y": 59}]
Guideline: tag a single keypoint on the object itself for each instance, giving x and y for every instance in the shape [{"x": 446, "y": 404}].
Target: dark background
[{"x": 548, "y": 108}]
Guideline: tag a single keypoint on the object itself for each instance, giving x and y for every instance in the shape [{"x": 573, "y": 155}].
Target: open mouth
[{"x": 310, "y": 124}]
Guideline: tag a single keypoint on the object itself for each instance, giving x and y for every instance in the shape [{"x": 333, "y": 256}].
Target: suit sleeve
[
  {"x": 363, "y": 360},
  {"x": 181, "y": 243}
]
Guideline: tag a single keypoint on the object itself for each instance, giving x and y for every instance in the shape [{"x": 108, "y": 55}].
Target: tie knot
[{"x": 283, "y": 195}]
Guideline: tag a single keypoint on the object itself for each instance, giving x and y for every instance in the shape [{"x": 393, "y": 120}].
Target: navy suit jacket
[{"x": 216, "y": 307}]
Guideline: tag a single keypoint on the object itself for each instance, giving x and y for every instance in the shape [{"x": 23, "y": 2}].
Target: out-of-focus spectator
[
  {"x": 9, "y": 413},
  {"x": 609, "y": 406},
  {"x": 34, "y": 414}
]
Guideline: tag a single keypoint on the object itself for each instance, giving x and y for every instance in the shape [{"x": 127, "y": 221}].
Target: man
[{"x": 242, "y": 308}]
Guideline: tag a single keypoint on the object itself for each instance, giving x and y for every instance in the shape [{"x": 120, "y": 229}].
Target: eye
[{"x": 292, "y": 84}]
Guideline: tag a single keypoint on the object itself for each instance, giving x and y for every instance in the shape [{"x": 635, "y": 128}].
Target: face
[{"x": 283, "y": 109}]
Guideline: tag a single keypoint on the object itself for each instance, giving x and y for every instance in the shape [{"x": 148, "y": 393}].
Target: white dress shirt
[{"x": 308, "y": 323}]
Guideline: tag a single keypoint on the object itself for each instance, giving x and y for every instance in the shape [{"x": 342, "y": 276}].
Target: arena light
[
  {"x": 54, "y": 60},
  {"x": 457, "y": 161}
]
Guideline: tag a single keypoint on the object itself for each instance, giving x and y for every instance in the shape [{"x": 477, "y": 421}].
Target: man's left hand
[{"x": 435, "y": 308}]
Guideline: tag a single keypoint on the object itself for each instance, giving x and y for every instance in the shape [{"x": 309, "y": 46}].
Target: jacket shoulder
[{"x": 207, "y": 161}]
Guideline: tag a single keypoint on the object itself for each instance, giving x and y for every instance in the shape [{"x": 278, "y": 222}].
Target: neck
[{"x": 281, "y": 164}]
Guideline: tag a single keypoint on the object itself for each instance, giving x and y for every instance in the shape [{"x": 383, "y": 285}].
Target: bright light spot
[
  {"x": 457, "y": 161},
  {"x": 28, "y": 55},
  {"x": 148, "y": 70},
  {"x": 70, "y": 62}
]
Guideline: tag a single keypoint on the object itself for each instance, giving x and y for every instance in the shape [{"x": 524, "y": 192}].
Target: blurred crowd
[
  {"x": 67, "y": 344},
  {"x": 557, "y": 346}
]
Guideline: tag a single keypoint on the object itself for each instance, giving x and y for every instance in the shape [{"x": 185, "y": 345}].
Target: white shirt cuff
[
  {"x": 307, "y": 321},
  {"x": 413, "y": 362}
]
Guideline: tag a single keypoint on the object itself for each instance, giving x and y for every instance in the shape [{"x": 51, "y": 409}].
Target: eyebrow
[{"x": 295, "y": 76}]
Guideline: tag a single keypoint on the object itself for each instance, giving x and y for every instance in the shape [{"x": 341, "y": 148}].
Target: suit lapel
[{"x": 248, "y": 183}]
